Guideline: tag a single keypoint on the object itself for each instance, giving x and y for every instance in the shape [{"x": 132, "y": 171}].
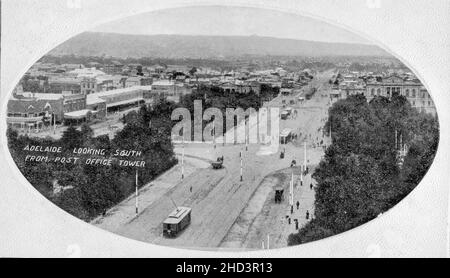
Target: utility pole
[
  {"x": 182, "y": 161},
  {"x": 401, "y": 141},
  {"x": 396, "y": 139},
  {"x": 304, "y": 162},
  {"x": 301, "y": 178},
  {"x": 246, "y": 143},
  {"x": 291, "y": 191},
  {"x": 241, "y": 167},
  {"x": 214, "y": 133},
  {"x": 331, "y": 138},
  {"x": 54, "y": 123},
  {"x": 137, "y": 194}
]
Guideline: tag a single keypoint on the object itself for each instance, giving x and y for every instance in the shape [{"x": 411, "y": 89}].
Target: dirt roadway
[
  {"x": 228, "y": 213},
  {"x": 263, "y": 223},
  {"x": 125, "y": 212}
]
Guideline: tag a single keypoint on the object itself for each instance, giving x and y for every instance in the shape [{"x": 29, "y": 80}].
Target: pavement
[{"x": 228, "y": 213}]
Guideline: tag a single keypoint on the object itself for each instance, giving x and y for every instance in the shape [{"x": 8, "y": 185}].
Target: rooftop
[
  {"x": 119, "y": 91},
  {"x": 177, "y": 215},
  {"x": 40, "y": 96},
  {"x": 163, "y": 83}
]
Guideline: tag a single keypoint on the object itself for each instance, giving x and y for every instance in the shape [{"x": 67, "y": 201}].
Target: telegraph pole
[
  {"x": 304, "y": 162},
  {"x": 137, "y": 194},
  {"x": 291, "y": 192},
  {"x": 182, "y": 161},
  {"x": 246, "y": 143},
  {"x": 54, "y": 123},
  {"x": 331, "y": 138},
  {"x": 401, "y": 141},
  {"x": 214, "y": 133},
  {"x": 396, "y": 139},
  {"x": 301, "y": 178},
  {"x": 241, "y": 166}
]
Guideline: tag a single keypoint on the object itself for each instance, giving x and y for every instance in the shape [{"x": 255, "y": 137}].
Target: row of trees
[
  {"x": 360, "y": 177},
  {"x": 216, "y": 97},
  {"x": 97, "y": 188}
]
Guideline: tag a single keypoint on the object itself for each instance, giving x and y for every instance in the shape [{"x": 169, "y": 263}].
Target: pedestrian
[
  {"x": 298, "y": 204},
  {"x": 293, "y": 163},
  {"x": 311, "y": 186},
  {"x": 190, "y": 189},
  {"x": 296, "y": 224},
  {"x": 292, "y": 209},
  {"x": 307, "y": 214},
  {"x": 289, "y": 221}
]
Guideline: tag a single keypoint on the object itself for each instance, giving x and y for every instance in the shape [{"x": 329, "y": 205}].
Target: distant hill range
[{"x": 183, "y": 46}]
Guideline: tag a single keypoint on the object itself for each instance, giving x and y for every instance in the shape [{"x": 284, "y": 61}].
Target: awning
[
  {"x": 76, "y": 115},
  {"x": 128, "y": 101}
]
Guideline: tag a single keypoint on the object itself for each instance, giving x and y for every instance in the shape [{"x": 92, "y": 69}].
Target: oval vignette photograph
[{"x": 222, "y": 128}]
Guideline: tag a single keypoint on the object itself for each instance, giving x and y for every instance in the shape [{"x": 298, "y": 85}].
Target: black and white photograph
[{"x": 222, "y": 128}]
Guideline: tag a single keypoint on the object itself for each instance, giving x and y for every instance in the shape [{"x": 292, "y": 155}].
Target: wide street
[{"x": 228, "y": 212}]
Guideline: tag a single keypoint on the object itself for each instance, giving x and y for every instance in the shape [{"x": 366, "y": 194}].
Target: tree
[
  {"x": 359, "y": 176},
  {"x": 193, "y": 71},
  {"x": 86, "y": 133},
  {"x": 71, "y": 138},
  {"x": 89, "y": 190}
]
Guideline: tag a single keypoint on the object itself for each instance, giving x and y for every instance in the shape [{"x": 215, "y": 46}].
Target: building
[
  {"x": 64, "y": 85},
  {"x": 391, "y": 86},
  {"x": 138, "y": 81},
  {"x": 170, "y": 89},
  {"x": 412, "y": 89},
  {"x": 75, "y": 110},
  {"x": 30, "y": 112},
  {"x": 118, "y": 99},
  {"x": 388, "y": 86},
  {"x": 113, "y": 68},
  {"x": 85, "y": 72},
  {"x": 97, "y": 105},
  {"x": 88, "y": 85},
  {"x": 424, "y": 102},
  {"x": 351, "y": 88},
  {"x": 74, "y": 102},
  {"x": 241, "y": 88}
]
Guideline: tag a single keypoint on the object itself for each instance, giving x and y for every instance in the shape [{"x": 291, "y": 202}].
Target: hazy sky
[{"x": 230, "y": 21}]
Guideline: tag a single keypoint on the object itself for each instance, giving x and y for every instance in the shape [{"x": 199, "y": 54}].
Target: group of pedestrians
[{"x": 290, "y": 219}]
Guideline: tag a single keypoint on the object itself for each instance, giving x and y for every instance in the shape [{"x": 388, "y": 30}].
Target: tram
[{"x": 177, "y": 221}]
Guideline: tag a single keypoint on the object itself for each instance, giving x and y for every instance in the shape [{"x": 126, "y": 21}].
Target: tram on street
[
  {"x": 177, "y": 221},
  {"x": 286, "y": 136}
]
